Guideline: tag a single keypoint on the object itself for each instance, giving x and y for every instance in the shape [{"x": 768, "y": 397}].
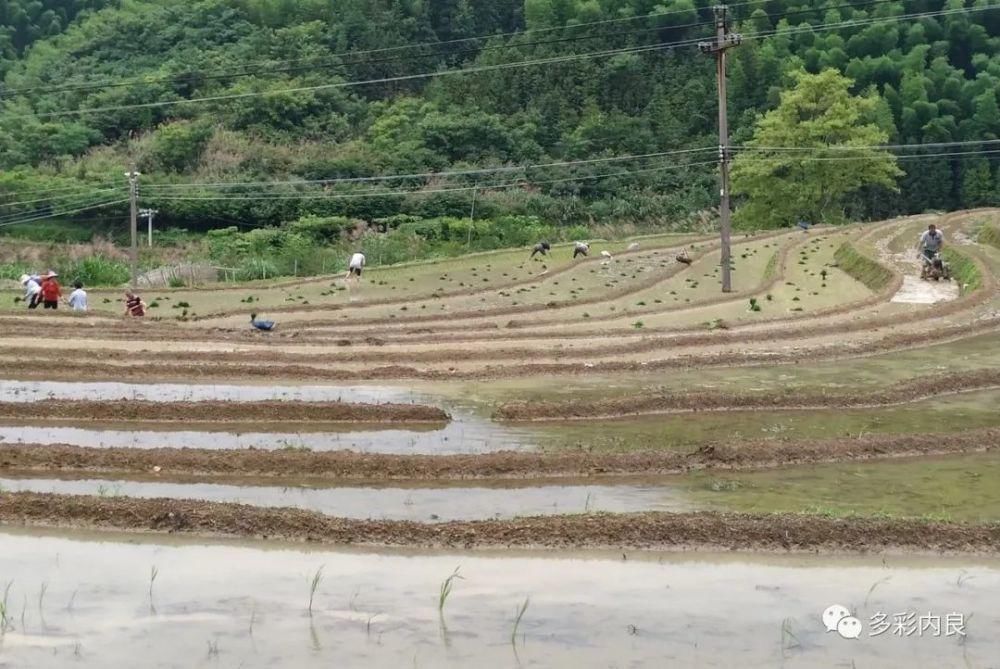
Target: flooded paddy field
[
  {"x": 426, "y": 502},
  {"x": 81, "y": 600},
  {"x": 354, "y": 490}
]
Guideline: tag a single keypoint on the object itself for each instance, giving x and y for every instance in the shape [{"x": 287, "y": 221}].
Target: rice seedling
[
  {"x": 446, "y": 587},
  {"x": 213, "y": 648},
  {"x": 317, "y": 577},
  {"x": 41, "y": 596},
  {"x": 872, "y": 589},
  {"x": 153, "y": 573},
  {"x": 5, "y": 622},
  {"x": 517, "y": 621},
  {"x": 789, "y": 640}
]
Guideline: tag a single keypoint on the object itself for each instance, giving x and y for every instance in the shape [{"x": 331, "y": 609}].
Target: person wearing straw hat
[
  {"x": 51, "y": 291},
  {"x": 32, "y": 291}
]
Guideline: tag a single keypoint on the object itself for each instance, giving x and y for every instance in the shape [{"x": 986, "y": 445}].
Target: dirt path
[
  {"x": 654, "y": 530},
  {"x": 914, "y": 289},
  {"x": 207, "y": 464}
]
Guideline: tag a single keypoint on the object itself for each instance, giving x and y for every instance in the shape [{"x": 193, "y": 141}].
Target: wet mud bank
[
  {"x": 788, "y": 399},
  {"x": 348, "y": 465},
  {"x": 216, "y": 411},
  {"x": 651, "y": 530},
  {"x": 274, "y": 366}
]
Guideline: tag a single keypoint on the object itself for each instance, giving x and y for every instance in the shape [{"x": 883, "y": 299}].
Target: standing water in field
[
  {"x": 468, "y": 432},
  {"x": 101, "y": 604}
]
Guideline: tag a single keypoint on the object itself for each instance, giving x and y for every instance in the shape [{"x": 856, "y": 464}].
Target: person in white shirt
[
  {"x": 931, "y": 242},
  {"x": 355, "y": 266},
  {"x": 32, "y": 291},
  {"x": 581, "y": 249},
  {"x": 78, "y": 298}
]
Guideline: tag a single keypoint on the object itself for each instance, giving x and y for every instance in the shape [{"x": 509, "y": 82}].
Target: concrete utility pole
[
  {"x": 133, "y": 196},
  {"x": 724, "y": 40},
  {"x": 148, "y": 214},
  {"x": 472, "y": 214}
]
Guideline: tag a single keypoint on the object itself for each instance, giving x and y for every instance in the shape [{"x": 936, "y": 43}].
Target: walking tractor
[{"x": 934, "y": 267}]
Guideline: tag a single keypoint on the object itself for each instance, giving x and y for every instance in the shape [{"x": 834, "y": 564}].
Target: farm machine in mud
[{"x": 935, "y": 268}]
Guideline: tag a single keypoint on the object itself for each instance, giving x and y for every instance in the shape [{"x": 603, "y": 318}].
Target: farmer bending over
[
  {"x": 355, "y": 266},
  {"x": 32, "y": 291},
  {"x": 581, "y": 249},
  {"x": 540, "y": 247}
]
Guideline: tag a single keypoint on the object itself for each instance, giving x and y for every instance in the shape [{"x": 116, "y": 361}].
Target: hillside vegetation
[{"x": 335, "y": 89}]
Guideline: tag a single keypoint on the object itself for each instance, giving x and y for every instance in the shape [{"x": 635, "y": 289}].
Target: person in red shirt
[
  {"x": 134, "y": 306},
  {"x": 51, "y": 291}
]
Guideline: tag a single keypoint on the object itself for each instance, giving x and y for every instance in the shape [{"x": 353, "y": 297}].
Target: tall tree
[{"x": 802, "y": 164}]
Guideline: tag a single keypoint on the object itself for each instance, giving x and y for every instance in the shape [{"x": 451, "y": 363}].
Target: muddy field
[
  {"x": 678, "y": 531},
  {"x": 485, "y": 364},
  {"x": 294, "y": 464},
  {"x": 497, "y": 404},
  {"x": 221, "y": 412}
]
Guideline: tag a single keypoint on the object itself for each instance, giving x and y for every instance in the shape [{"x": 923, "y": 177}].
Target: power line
[
  {"x": 433, "y": 175},
  {"x": 329, "y": 64},
  {"x": 850, "y": 23},
  {"x": 844, "y": 147},
  {"x": 40, "y": 217},
  {"x": 521, "y": 33},
  {"x": 504, "y": 66},
  {"x": 338, "y": 59},
  {"x": 456, "y": 189},
  {"x": 918, "y": 156},
  {"x": 57, "y": 197},
  {"x": 166, "y": 188},
  {"x": 533, "y": 182},
  {"x": 54, "y": 189},
  {"x": 350, "y": 84},
  {"x": 45, "y": 211}
]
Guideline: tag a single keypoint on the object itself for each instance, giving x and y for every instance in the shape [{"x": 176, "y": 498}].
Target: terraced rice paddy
[{"x": 501, "y": 415}]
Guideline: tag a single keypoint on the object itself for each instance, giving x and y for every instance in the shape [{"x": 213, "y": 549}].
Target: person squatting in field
[
  {"x": 134, "y": 306},
  {"x": 78, "y": 298},
  {"x": 540, "y": 247},
  {"x": 581, "y": 249}
]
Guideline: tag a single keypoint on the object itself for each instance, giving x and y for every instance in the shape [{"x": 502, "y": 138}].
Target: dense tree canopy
[
  {"x": 783, "y": 184},
  {"x": 287, "y": 103}
]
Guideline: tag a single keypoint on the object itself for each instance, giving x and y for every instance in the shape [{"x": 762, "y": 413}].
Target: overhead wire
[
  {"x": 403, "y": 193},
  {"x": 512, "y": 65},
  {"x": 433, "y": 175},
  {"x": 265, "y": 68},
  {"x": 50, "y": 214}
]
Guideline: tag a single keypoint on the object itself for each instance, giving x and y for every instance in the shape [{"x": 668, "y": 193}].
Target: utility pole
[
  {"x": 148, "y": 214},
  {"x": 472, "y": 214},
  {"x": 724, "y": 40},
  {"x": 133, "y": 196}
]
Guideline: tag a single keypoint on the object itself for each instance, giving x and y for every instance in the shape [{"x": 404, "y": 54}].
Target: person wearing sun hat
[
  {"x": 32, "y": 291},
  {"x": 51, "y": 291}
]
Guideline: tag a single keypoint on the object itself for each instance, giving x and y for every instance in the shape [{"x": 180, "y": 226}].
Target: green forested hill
[{"x": 336, "y": 89}]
